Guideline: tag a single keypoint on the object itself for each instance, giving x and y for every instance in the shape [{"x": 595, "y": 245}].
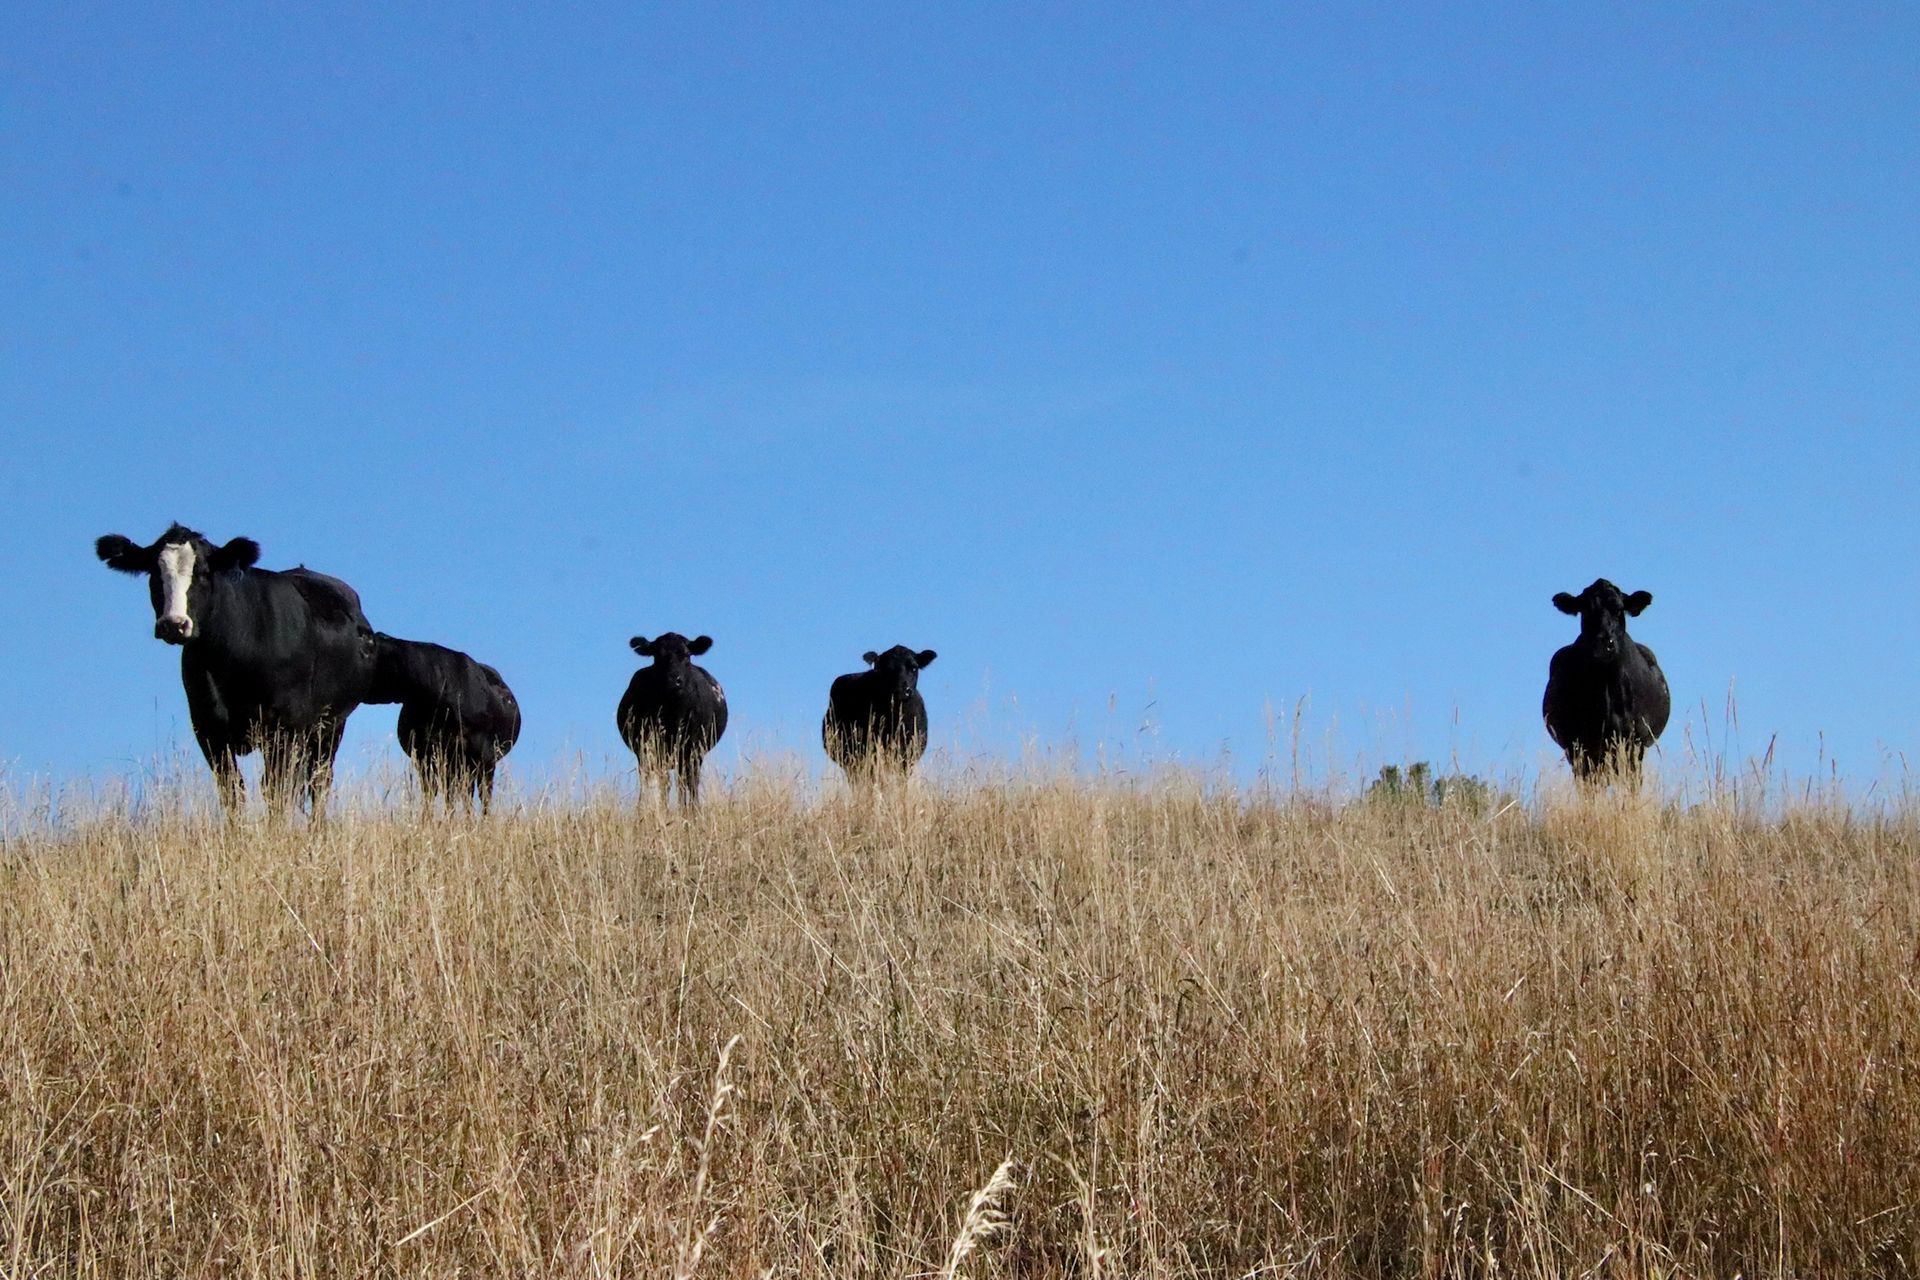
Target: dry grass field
[{"x": 1216, "y": 1035}]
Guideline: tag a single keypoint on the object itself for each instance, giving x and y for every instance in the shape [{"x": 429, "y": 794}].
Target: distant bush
[{"x": 1418, "y": 787}]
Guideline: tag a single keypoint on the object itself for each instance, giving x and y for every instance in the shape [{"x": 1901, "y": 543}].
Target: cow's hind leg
[
  {"x": 1588, "y": 769},
  {"x": 423, "y": 774},
  {"x": 436, "y": 784},
  {"x": 277, "y": 765},
  {"x": 1631, "y": 755},
  {"x": 315, "y": 763},
  {"x": 227, "y": 779},
  {"x": 464, "y": 783},
  {"x": 653, "y": 781}
]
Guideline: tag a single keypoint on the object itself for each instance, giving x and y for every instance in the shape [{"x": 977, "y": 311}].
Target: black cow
[
  {"x": 457, "y": 721},
  {"x": 1606, "y": 697},
  {"x": 272, "y": 660},
  {"x": 673, "y": 713},
  {"x": 876, "y": 720}
]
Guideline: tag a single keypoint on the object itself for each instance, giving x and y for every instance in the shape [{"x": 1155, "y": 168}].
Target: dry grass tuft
[
  {"x": 1226, "y": 1036},
  {"x": 984, "y": 1221}
]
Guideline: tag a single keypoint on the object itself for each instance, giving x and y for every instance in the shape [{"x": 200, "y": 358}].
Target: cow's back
[{"x": 329, "y": 599}]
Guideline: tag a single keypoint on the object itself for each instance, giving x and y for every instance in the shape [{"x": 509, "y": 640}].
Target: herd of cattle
[{"x": 275, "y": 661}]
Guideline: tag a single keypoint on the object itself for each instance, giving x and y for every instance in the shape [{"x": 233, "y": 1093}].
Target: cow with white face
[{"x": 271, "y": 660}]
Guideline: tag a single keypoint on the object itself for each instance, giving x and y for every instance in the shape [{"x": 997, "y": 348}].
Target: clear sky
[{"x": 1155, "y": 364}]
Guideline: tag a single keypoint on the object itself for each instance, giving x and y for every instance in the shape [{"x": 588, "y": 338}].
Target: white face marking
[{"x": 176, "y": 575}]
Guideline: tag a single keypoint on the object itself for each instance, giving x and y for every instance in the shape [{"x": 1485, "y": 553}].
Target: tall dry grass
[{"x": 1043, "y": 1028}]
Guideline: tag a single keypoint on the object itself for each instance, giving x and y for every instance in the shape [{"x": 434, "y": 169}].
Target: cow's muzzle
[{"x": 173, "y": 630}]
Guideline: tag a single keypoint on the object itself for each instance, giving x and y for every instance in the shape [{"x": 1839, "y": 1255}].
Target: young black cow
[
  {"x": 673, "y": 713},
  {"x": 271, "y": 660},
  {"x": 457, "y": 721},
  {"x": 876, "y": 720},
  {"x": 1606, "y": 697}
]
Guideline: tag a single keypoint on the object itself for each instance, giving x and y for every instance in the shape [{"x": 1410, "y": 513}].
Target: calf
[
  {"x": 271, "y": 660},
  {"x": 457, "y": 720},
  {"x": 876, "y": 720},
  {"x": 672, "y": 714},
  {"x": 1606, "y": 699}
]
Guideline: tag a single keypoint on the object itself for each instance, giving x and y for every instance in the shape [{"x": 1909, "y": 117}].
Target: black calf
[
  {"x": 876, "y": 720},
  {"x": 457, "y": 720},
  {"x": 1606, "y": 699},
  {"x": 672, "y": 713}
]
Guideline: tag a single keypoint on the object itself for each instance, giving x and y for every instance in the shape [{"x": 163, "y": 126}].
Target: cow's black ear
[
  {"x": 925, "y": 657},
  {"x": 241, "y": 553},
  {"x": 870, "y": 657},
  {"x": 124, "y": 554},
  {"x": 1638, "y": 601},
  {"x": 699, "y": 645},
  {"x": 1566, "y": 603},
  {"x": 642, "y": 646}
]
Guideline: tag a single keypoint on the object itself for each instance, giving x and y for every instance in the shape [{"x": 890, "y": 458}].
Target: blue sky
[{"x": 1154, "y": 366}]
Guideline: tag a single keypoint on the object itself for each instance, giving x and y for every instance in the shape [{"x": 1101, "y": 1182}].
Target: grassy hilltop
[{"x": 1216, "y": 1036}]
